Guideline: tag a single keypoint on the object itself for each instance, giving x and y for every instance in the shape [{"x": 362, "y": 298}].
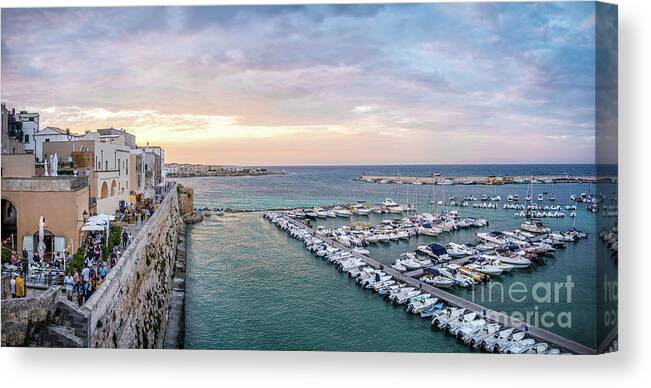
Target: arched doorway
[
  {"x": 9, "y": 225},
  {"x": 113, "y": 188},
  {"x": 48, "y": 239},
  {"x": 104, "y": 191}
]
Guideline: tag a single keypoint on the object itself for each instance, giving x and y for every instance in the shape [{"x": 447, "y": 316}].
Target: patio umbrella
[
  {"x": 55, "y": 165},
  {"x": 41, "y": 237},
  {"x": 45, "y": 165},
  {"x": 52, "y": 173}
]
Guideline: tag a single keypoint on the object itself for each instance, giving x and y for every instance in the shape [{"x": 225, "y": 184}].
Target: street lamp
[{"x": 85, "y": 215}]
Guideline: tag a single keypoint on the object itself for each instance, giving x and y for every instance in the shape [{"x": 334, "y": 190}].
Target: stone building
[
  {"x": 61, "y": 200},
  {"x": 104, "y": 160}
]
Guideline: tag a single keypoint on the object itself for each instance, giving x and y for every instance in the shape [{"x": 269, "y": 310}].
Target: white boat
[
  {"x": 362, "y": 211},
  {"x": 411, "y": 264},
  {"x": 534, "y": 226},
  {"x": 469, "y": 328},
  {"x": 398, "y": 266},
  {"x": 492, "y": 237},
  {"x": 416, "y": 306},
  {"x": 522, "y": 346},
  {"x": 331, "y": 214},
  {"x": 486, "y": 269},
  {"x": 458, "y": 250},
  {"x": 429, "y": 231},
  {"x": 361, "y": 251},
  {"x": 475, "y": 339},
  {"x": 343, "y": 213}
]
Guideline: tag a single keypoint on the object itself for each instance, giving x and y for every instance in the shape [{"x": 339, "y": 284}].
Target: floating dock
[
  {"x": 485, "y": 180},
  {"x": 453, "y": 300}
]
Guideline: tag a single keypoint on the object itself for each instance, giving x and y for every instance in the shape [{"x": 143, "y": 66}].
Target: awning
[{"x": 93, "y": 228}]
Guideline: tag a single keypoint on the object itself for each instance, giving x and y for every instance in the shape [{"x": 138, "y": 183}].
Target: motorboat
[
  {"x": 343, "y": 213},
  {"x": 502, "y": 344},
  {"x": 361, "y": 251},
  {"x": 420, "y": 302},
  {"x": 475, "y": 339},
  {"x": 431, "y": 310},
  {"x": 489, "y": 342},
  {"x": 494, "y": 237},
  {"x": 521, "y": 346},
  {"x": 486, "y": 269},
  {"x": 428, "y": 230},
  {"x": 461, "y": 320},
  {"x": 534, "y": 226},
  {"x": 458, "y": 250},
  {"x": 469, "y": 328},
  {"x": 398, "y": 266}
]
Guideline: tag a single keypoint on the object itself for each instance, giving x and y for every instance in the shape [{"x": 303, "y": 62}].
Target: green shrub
[{"x": 6, "y": 255}]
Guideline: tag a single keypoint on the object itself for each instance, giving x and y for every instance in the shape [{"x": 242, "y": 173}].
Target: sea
[{"x": 252, "y": 287}]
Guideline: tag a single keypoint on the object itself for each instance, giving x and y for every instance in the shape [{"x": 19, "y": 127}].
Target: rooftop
[{"x": 45, "y": 183}]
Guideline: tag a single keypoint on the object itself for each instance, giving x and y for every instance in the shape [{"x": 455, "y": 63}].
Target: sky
[{"x": 316, "y": 84}]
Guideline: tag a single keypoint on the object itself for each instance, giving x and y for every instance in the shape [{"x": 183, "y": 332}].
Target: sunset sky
[{"x": 263, "y": 85}]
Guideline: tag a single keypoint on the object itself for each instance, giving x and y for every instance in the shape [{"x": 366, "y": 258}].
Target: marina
[
  {"x": 326, "y": 191},
  {"x": 476, "y": 317}
]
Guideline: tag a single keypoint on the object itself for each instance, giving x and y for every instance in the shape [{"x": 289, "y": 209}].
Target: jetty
[
  {"x": 484, "y": 180},
  {"x": 454, "y": 300}
]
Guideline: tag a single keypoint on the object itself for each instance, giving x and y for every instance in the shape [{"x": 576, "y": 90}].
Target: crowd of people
[{"x": 136, "y": 213}]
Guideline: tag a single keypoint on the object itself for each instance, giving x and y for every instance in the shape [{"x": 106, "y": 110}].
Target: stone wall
[
  {"x": 130, "y": 309},
  {"x": 20, "y": 316}
]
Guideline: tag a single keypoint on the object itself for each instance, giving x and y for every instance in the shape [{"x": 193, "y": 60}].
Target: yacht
[
  {"x": 534, "y": 226},
  {"x": 331, "y": 214},
  {"x": 343, "y": 213},
  {"x": 492, "y": 237}
]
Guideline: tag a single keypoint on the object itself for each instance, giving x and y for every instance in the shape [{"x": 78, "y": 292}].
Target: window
[
  {"x": 26, "y": 138},
  {"x": 47, "y": 140},
  {"x": 106, "y": 165}
]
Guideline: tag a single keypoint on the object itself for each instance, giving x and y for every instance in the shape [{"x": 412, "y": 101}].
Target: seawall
[{"x": 130, "y": 309}]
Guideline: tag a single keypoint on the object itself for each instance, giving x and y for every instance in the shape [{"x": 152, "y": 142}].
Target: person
[
  {"x": 125, "y": 238},
  {"x": 85, "y": 274},
  {"x": 13, "y": 285},
  {"x": 36, "y": 258},
  {"x": 102, "y": 271},
  {"x": 69, "y": 282},
  {"x": 20, "y": 286}
]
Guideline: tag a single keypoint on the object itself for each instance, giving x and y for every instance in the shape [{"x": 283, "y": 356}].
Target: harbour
[
  {"x": 289, "y": 224},
  {"x": 323, "y": 190}
]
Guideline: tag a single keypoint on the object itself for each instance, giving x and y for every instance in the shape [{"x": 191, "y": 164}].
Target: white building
[
  {"x": 47, "y": 135},
  {"x": 30, "y": 126}
]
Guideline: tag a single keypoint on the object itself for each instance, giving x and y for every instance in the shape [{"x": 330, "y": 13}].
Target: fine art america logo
[{"x": 541, "y": 293}]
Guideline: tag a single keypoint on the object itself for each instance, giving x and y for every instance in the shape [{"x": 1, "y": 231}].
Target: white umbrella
[
  {"x": 52, "y": 165},
  {"x": 45, "y": 165},
  {"x": 55, "y": 165},
  {"x": 41, "y": 236}
]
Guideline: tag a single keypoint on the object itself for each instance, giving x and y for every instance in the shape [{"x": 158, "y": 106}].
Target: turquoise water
[{"x": 252, "y": 287}]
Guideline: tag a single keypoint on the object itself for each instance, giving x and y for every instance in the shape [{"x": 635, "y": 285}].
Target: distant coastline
[{"x": 174, "y": 170}]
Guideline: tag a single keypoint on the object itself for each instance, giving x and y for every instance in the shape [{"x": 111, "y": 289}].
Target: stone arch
[
  {"x": 9, "y": 222},
  {"x": 114, "y": 186},
  {"x": 105, "y": 190}
]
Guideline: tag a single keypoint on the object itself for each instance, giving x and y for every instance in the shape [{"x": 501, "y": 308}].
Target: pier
[
  {"x": 454, "y": 300},
  {"x": 485, "y": 180}
]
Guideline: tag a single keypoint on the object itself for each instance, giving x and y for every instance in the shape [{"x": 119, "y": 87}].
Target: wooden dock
[
  {"x": 454, "y": 300},
  {"x": 485, "y": 180}
]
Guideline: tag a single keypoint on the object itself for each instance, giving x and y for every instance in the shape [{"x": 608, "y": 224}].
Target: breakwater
[{"x": 484, "y": 180}]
